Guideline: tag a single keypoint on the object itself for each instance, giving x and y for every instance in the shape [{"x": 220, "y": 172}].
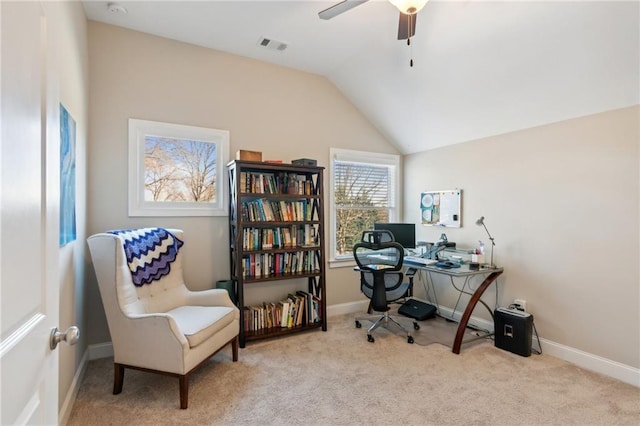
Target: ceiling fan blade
[
  {"x": 407, "y": 26},
  {"x": 339, "y": 8}
]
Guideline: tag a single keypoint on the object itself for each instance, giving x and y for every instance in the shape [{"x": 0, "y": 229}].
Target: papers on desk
[
  {"x": 419, "y": 261},
  {"x": 380, "y": 267}
]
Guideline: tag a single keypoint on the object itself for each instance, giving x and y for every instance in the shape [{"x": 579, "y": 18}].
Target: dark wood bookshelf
[{"x": 258, "y": 194}]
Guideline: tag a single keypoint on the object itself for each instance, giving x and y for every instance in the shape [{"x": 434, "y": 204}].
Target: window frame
[
  {"x": 138, "y": 206},
  {"x": 365, "y": 157}
]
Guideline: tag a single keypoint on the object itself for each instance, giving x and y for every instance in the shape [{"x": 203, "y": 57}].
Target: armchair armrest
[
  {"x": 212, "y": 297},
  {"x": 150, "y": 341},
  {"x": 149, "y": 327}
]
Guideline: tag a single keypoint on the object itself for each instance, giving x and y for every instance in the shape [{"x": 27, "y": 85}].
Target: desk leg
[{"x": 464, "y": 320}]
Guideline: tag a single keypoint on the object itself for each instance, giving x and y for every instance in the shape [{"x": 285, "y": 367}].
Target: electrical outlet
[{"x": 522, "y": 303}]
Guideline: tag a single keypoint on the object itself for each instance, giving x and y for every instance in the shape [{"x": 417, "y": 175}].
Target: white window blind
[
  {"x": 366, "y": 185},
  {"x": 363, "y": 191}
]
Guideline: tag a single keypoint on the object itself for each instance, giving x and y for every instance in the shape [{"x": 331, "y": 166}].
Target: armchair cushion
[{"x": 198, "y": 323}]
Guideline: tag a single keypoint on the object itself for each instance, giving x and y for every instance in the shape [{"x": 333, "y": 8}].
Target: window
[
  {"x": 363, "y": 190},
  {"x": 177, "y": 170}
]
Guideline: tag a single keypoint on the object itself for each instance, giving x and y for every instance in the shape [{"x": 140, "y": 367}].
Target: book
[
  {"x": 307, "y": 301},
  {"x": 284, "y": 313}
]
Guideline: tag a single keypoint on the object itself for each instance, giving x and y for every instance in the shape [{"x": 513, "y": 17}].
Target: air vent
[{"x": 272, "y": 44}]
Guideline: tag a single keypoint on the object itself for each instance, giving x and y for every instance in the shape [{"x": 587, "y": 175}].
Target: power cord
[
  {"x": 537, "y": 351},
  {"x": 427, "y": 293}
]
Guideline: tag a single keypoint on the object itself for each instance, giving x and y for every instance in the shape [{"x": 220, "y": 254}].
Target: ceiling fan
[{"x": 408, "y": 13}]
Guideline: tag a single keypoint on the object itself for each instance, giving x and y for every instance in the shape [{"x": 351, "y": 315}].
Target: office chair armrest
[{"x": 410, "y": 274}]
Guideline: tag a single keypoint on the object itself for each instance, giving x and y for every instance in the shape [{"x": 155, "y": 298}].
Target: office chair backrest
[
  {"x": 379, "y": 259},
  {"x": 377, "y": 250},
  {"x": 377, "y": 236}
]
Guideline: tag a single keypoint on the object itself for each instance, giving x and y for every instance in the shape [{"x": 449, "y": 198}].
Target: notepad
[{"x": 420, "y": 261}]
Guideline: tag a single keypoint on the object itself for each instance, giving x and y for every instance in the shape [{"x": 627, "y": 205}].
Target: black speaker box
[
  {"x": 305, "y": 162},
  {"x": 513, "y": 330}
]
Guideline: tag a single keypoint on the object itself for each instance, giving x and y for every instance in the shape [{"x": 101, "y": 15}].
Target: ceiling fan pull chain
[
  {"x": 409, "y": 22},
  {"x": 410, "y": 52}
]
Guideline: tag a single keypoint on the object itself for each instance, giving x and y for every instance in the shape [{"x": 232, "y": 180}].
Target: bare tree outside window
[
  {"x": 361, "y": 194},
  {"x": 179, "y": 170}
]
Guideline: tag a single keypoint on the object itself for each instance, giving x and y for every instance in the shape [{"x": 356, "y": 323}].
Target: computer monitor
[{"x": 403, "y": 233}]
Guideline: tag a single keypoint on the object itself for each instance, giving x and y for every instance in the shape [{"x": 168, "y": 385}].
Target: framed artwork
[
  {"x": 177, "y": 170},
  {"x": 441, "y": 208},
  {"x": 67, "y": 177}
]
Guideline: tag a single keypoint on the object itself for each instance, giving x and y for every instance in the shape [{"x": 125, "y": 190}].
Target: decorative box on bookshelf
[{"x": 276, "y": 233}]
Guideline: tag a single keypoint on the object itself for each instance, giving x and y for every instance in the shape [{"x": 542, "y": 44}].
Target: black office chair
[{"x": 379, "y": 260}]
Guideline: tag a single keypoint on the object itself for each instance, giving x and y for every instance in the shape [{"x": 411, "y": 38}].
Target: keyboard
[{"x": 420, "y": 261}]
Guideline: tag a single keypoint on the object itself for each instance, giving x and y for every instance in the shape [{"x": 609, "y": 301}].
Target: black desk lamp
[{"x": 480, "y": 222}]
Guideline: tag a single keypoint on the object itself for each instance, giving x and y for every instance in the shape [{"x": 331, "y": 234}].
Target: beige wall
[
  {"x": 284, "y": 113},
  {"x": 561, "y": 201},
  {"x": 67, "y": 78}
]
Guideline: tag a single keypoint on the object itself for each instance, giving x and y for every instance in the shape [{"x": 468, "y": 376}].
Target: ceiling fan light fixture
[{"x": 409, "y": 7}]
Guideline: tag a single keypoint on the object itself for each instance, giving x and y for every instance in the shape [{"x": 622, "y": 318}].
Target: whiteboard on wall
[{"x": 441, "y": 208}]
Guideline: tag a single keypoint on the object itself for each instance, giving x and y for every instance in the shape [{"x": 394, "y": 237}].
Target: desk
[{"x": 466, "y": 273}]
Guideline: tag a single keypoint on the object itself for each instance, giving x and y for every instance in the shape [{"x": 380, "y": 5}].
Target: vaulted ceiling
[{"x": 481, "y": 68}]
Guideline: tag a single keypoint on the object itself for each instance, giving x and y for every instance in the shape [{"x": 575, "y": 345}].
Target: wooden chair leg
[
  {"x": 118, "y": 378},
  {"x": 184, "y": 391},
  {"x": 234, "y": 349}
]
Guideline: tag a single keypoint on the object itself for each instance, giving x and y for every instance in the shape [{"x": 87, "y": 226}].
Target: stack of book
[
  {"x": 275, "y": 183},
  {"x": 295, "y": 310},
  {"x": 279, "y": 237},
  {"x": 258, "y": 265},
  {"x": 263, "y": 210}
]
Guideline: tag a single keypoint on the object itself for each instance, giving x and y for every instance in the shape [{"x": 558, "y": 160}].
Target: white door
[{"x": 28, "y": 222}]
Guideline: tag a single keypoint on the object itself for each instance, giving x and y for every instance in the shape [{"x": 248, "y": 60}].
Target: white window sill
[{"x": 342, "y": 263}]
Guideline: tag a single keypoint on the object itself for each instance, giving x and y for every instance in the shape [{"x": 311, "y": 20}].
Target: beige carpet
[{"x": 338, "y": 378}]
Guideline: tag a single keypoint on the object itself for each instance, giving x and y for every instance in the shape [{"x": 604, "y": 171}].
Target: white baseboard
[
  {"x": 67, "y": 405},
  {"x": 347, "y": 308},
  {"x": 577, "y": 357},
  {"x": 100, "y": 350},
  {"x": 592, "y": 362}
]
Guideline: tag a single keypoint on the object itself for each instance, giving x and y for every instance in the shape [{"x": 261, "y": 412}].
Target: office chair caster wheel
[
  {"x": 358, "y": 325},
  {"x": 370, "y": 338},
  {"x": 410, "y": 339},
  {"x": 416, "y": 326}
]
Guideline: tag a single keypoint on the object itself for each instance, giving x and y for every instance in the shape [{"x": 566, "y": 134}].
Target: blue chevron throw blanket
[{"x": 149, "y": 252}]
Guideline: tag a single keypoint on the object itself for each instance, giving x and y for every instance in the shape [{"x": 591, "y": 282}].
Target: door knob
[{"x": 70, "y": 336}]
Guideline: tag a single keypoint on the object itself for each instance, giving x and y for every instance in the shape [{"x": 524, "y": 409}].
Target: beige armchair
[{"x": 158, "y": 325}]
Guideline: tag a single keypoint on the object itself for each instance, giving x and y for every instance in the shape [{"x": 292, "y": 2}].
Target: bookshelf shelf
[
  {"x": 266, "y": 333},
  {"x": 281, "y": 277},
  {"x": 276, "y": 233}
]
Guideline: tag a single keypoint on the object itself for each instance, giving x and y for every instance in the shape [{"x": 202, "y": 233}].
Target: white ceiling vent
[{"x": 272, "y": 44}]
